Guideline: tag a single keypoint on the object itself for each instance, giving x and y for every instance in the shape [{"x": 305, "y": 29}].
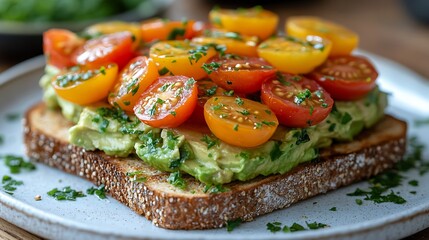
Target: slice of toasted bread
[{"x": 166, "y": 206}]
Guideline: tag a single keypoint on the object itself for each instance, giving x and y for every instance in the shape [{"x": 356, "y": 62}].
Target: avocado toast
[{"x": 198, "y": 133}]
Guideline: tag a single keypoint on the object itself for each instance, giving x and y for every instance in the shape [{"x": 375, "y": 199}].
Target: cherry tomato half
[
  {"x": 161, "y": 29},
  {"x": 85, "y": 86},
  {"x": 346, "y": 77},
  {"x": 59, "y": 45},
  {"x": 296, "y": 100},
  {"x": 295, "y": 55},
  {"x": 243, "y": 75},
  {"x": 252, "y": 21},
  {"x": 168, "y": 102},
  {"x": 234, "y": 120},
  {"x": 110, "y": 48},
  {"x": 181, "y": 58},
  {"x": 116, "y": 26},
  {"x": 343, "y": 40},
  {"x": 133, "y": 80}
]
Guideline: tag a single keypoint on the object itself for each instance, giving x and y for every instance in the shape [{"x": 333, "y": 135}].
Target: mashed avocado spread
[{"x": 201, "y": 154}]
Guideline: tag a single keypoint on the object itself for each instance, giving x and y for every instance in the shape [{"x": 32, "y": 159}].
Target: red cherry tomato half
[
  {"x": 346, "y": 77},
  {"x": 168, "y": 102},
  {"x": 296, "y": 100},
  {"x": 110, "y": 48},
  {"x": 59, "y": 45},
  {"x": 243, "y": 75}
]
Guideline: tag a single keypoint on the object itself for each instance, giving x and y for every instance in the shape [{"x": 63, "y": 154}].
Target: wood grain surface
[{"x": 384, "y": 27}]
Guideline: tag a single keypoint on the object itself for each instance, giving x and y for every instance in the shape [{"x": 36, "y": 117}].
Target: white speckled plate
[{"x": 91, "y": 218}]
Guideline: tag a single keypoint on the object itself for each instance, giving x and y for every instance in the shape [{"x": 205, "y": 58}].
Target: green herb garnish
[
  {"x": 176, "y": 180},
  {"x": 67, "y": 193},
  {"x": 99, "y": 192},
  {"x": 10, "y": 184},
  {"x": 16, "y": 164},
  {"x": 232, "y": 224}
]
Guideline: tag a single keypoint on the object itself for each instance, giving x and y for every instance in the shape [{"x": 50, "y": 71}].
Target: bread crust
[{"x": 375, "y": 150}]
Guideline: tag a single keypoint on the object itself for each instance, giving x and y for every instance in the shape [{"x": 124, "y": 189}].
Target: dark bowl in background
[{"x": 19, "y": 41}]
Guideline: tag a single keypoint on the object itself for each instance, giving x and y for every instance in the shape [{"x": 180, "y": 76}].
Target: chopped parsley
[
  {"x": 333, "y": 209},
  {"x": 67, "y": 193},
  {"x": 232, "y": 224},
  {"x": 214, "y": 189},
  {"x": 12, "y": 117},
  {"x": 189, "y": 83},
  {"x": 163, "y": 71},
  {"x": 346, "y": 118},
  {"x": 282, "y": 79},
  {"x": 211, "y": 91},
  {"x": 10, "y": 184},
  {"x": 359, "y": 201},
  {"x": 16, "y": 164},
  {"x": 301, "y": 96},
  {"x": 210, "y": 67},
  {"x": 276, "y": 152},
  {"x": 196, "y": 54},
  {"x": 1, "y": 140},
  {"x": 211, "y": 142},
  {"x": 136, "y": 176},
  {"x": 235, "y": 127},
  {"x": 414, "y": 183},
  {"x": 274, "y": 226},
  {"x": 301, "y": 136},
  {"x": 233, "y": 35},
  {"x": 99, "y": 192},
  {"x": 315, "y": 225},
  {"x": 239, "y": 101},
  {"x": 175, "y": 33},
  {"x": 176, "y": 180}
]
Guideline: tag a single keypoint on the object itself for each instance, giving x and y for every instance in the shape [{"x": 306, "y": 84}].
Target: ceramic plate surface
[{"x": 91, "y": 218}]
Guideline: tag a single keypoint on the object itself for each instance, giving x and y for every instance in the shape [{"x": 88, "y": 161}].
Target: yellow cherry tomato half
[
  {"x": 240, "y": 122},
  {"x": 133, "y": 80},
  {"x": 235, "y": 43},
  {"x": 85, "y": 86},
  {"x": 114, "y": 27},
  {"x": 295, "y": 55},
  {"x": 343, "y": 39},
  {"x": 252, "y": 21},
  {"x": 181, "y": 58}
]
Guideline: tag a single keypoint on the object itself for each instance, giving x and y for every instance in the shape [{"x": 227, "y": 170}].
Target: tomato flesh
[
  {"x": 161, "y": 29},
  {"x": 168, "y": 102},
  {"x": 243, "y": 75},
  {"x": 296, "y": 101},
  {"x": 59, "y": 46},
  {"x": 133, "y": 80},
  {"x": 110, "y": 48},
  {"x": 346, "y": 77},
  {"x": 234, "y": 120},
  {"x": 84, "y": 86}
]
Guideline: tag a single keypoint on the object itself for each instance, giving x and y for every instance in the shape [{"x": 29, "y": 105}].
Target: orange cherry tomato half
[
  {"x": 296, "y": 100},
  {"x": 133, "y": 80},
  {"x": 234, "y": 120},
  {"x": 252, "y": 21},
  {"x": 161, "y": 29},
  {"x": 346, "y": 77},
  {"x": 85, "y": 86},
  {"x": 235, "y": 43},
  {"x": 59, "y": 46},
  {"x": 168, "y": 102},
  {"x": 181, "y": 58},
  {"x": 243, "y": 75},
  {"x": 110, "y": 48},
  {"x": 113, "y": 27}
]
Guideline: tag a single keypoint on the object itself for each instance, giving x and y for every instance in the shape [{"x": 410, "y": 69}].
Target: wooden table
[{"x": 384, "y": 27}]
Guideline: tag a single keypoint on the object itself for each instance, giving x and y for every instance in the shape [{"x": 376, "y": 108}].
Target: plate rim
[{"x": 38, "y": 63}]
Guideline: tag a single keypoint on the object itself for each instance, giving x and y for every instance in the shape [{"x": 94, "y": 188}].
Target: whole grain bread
[{"x": 376, "y": 149}]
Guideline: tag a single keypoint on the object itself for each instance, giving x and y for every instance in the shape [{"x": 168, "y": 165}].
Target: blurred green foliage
[{"x": 62, "y": 10}]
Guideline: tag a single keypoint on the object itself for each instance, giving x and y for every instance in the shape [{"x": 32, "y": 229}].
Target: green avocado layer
[{"x": 207, "y": 158}]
